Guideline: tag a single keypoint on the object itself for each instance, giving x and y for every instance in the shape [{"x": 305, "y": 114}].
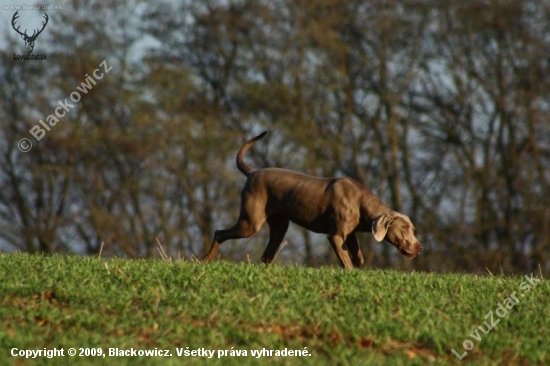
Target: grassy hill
[{"x": 329, "y": 315}]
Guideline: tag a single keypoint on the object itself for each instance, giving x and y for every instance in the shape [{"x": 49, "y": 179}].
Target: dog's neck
[{"x": 371, "y": 208}]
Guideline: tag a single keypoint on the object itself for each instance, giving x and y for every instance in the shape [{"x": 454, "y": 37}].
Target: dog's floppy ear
[{"x": 380, "y": 227}]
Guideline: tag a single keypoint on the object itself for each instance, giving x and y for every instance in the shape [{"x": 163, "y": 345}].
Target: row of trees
[{"x": 440, "y": 108}]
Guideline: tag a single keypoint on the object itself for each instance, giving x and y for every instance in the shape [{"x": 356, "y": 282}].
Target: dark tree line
[{"x": 440, "y": 108}]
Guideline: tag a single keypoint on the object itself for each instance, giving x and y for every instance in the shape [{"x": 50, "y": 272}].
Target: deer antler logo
[{"x": 29, "y": 40}]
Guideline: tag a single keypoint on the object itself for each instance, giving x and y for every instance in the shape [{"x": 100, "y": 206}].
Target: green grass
[{"x": 358, "y": 317}]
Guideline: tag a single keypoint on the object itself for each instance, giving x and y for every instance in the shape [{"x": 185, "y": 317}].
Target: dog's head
[{"x": 398, "y": 230}]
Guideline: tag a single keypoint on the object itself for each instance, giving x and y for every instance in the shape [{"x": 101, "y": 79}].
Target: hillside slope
[{"x": 115, "y": 309}]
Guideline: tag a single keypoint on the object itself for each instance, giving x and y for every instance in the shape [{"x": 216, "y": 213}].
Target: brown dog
[{"x": 338, "y": 207}]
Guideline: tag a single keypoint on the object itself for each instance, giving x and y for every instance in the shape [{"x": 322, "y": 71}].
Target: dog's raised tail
[{"x": 246, "y": 169}]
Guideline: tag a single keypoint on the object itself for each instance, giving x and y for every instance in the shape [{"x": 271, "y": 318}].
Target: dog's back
[{"x": 308, "y": 201}]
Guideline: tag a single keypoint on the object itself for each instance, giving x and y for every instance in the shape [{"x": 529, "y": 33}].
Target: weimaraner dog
[{"x": 338, "y": 207}]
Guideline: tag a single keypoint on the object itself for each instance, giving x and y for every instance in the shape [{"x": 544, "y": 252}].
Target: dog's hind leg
[
  {"x": 354, "y": 250},
  {"x": 278, "y": 225},
  {"x": 251, "y": 219},
  {"x": 242, "y": 229}
]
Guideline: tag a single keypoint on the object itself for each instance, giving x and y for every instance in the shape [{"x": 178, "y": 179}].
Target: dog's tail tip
[{"x": 243, "y": 167}]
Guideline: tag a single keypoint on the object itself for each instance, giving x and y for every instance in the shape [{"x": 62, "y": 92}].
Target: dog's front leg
[
  {"x": 354, "y": 250},
  {"x": 337, "y": 243}
]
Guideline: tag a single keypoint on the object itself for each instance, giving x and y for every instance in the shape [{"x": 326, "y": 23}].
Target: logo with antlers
[{"x": 29, "y": 40}]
